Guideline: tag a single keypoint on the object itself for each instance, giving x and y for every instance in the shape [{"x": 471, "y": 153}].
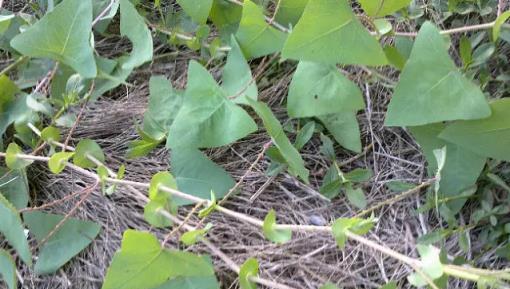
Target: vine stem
[{"x": 468, "y": 273}]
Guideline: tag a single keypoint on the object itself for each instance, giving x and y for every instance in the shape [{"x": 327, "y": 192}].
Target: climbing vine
[{"x": 462, "y": 130}]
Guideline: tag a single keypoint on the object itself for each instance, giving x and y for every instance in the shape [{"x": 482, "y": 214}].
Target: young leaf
[
  {"x": 87, "y": 148},
  {"x": 280, "y": 140},
  {"x": 161, "y": 179},
  {"x": 290, "y": 11},
  {"x": 256, "y": 37},
  {"x": 207, "y": 118},
  {"x": 132, "y": 26},
  {"x": 355, "y": 225},
  {"x": 197, "y": 10},
  {"x": 8, "y": 269},
  {"x": 433, "y": 87},
  {"x": 197, "y": 175},
  {"x": 210, "y": 208},
  {"x": 141, "y": 147},
  {"x": 250, "y": 268},
  {"x": 50, "y": 134},
  {"x": 192, "y": 237},
  {"x": 487, "y": 137},
  {"x": 390, "y": 285},
  {"x": 498, "y": 23},
  {"x": 13, "y": 231},
  {"x": 58, "y": 161},
  {"x": 237, "y": 80},
  {"x": 12, "y": 160},
  {"x": 63, "y": 34},
  {"x": 338, "y": 37},
  {"x": 69, "y": 240},
  {"x": 152, "y": 211},
  {"x": 143, "y": 263},
  {"x": 271, "y": 233},
  {"x": 327, "y": 148},
  {"x": 164, "y": 104},
  {"x": 344, "y": 128},
  {"x": 381, "y": 8},
  {"x": 318, "y": 89},
  {"x": 356, "y": 196}
]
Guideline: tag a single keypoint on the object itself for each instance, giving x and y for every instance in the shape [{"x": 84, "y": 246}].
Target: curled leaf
[
  {"x": 270, "y": 232},
  {"x": 58, "y": 161},
  {"x": 12, "y": 160}
]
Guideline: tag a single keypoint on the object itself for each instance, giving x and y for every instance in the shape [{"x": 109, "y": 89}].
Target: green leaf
[
  {"x": 65, "y": 243},
  {"x": 331, "y": 184},
  {"x": 164, "y": 104},
  {"x": 14, "y": 187},
  {"x": 152, "y": 211},
  {"x": 197, "y": 10},
  {"x": 5, "y": 22},
  {"x": 344, "y": 128},
  {"x": 461, "y": 169},
  {"x": 256, "y": 37},
  {"x": 390, "y": 285},
  {"x": 290, "y": 11},
  {"x": 381, "y": 8},
  {"x": 357, "y": 226},
  {"x": 198, "y": 176},
  {"x": 161, "y": 179},
  {"x": 432, "y": 266},
  {"x": 358, "y": 175},
  {"x": 7, "y": 92},
  {"x": 207, "y": 118},
  {"x": 13, "y": 231},
  {"x": 280, "y": 140},
  {"x": 328, "y": 285},
  {"x": 143, "y": 263},
  {"x": 304, "y": 135},
  {"x": 194, "y": 282},
  {"x": 87, "y": 148},
  {"x": 395, "y": 58},
  {"x": 192, "y": 237},
  {"x": 237, "y": 80},
  {"x": 466, "y": 53},
  {"x": 226, "y": 17},
  {"x": 318, "y": 89},
  {"x": 327, "y": 148},
  {"x": 142, "y": 147},
  {"x": 338, "y": 37},
  {"x": 8, "y": 269},
  {"x": 110, "y": 75},
  {"x": 50, "y": 134},
  {"x": 383, "y": 26},
  {"x": 432, "y": 87},
  {"x": 356, "y": 196},
  {"x": 498, "y": 23},
  {"x": 12, "y": 160},
  {"x": 250, "y": 268},
  {"x": 62, "y": 35},
  {"x": 489, "y": 137},
  {"x": 271, "y": 233},
  {"x": 132, "y": 26},
  {"x": 58, "y": 161}
]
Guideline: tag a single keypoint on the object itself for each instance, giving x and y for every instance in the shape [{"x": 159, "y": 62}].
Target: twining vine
[{"x": 436, "y": 101}]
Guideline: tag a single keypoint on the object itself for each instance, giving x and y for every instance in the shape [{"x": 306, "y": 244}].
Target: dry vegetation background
[{"x": 309, "y": 260}]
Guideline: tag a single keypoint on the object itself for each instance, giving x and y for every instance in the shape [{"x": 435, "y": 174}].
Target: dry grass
[{"x": 309, "y": 260}]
